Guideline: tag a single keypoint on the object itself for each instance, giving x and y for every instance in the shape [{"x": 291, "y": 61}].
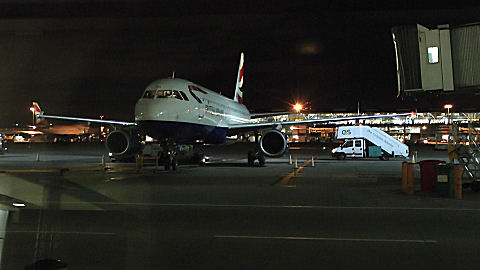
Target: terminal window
[{"x": 432, "y": 55}]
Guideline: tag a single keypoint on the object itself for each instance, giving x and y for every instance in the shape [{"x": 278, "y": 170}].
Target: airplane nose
[
  {"x": 150, "y": 111},
  {"x": 142, "y": 111}
]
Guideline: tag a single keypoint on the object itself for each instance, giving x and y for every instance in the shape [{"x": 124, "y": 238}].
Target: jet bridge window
[
  {"x": 169, "y": 94},
  {"x": 149, "y": 94},
  {"x": 432, "y": 55}
]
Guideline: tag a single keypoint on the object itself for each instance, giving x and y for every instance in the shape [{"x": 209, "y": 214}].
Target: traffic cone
[
  {"x": 296, "y": 163},
  {"x": 103, "y": 161},
  {"x": 290, "y": 162},
  {"x": 38, "y": 157},
  {"x": 413, "y": 158},
  {"x": 313, "y": 162}
]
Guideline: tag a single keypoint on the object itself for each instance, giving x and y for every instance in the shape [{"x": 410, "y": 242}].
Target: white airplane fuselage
[{"x": 186, "y": 112}]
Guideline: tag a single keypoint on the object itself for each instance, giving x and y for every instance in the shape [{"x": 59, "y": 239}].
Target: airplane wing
[
  {"x": 39, "y": 114},
  {"x": 260, "y": 115},
  {"x": 89, "y": 120},
  {"x": 260, "y": 126}
]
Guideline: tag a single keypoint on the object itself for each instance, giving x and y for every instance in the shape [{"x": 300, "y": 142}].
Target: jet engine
[
  {"x": 123, "y": 143},
  {"x": 273, "y": 143}
]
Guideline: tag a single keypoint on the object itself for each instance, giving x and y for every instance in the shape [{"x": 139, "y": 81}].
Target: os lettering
[{"x": 346, "y": 132}]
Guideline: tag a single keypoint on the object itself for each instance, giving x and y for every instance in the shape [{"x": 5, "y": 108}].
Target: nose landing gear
[
  {"x": 171, "y": 160},
  {"x": 169, "y": 157}
]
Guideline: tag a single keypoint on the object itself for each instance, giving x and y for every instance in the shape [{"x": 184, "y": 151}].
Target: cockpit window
[
  {"x": 164, "y": 93},
  {"x": 184, "y": 95},
  {"x": 149, "y": 94},
  {"x": 169, "y": 94},
  {"x": 177, "y": 95}
]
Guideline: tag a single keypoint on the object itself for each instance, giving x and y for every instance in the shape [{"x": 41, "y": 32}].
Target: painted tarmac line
[
  {"x": 254, "y": 237},
  {"x": 284, "y": 182},
  {"x": 71, "y": 169},
  {"x": 317, "y": 207},
  {"x": 31, "y": 171},
  {"x": 59, "y": 232}
]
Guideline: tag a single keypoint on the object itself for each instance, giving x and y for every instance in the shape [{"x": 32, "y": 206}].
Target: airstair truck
[{"x": 365, "y": 141}]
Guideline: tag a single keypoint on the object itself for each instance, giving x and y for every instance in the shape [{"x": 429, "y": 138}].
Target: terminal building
[{"x": 423, "y": 128}]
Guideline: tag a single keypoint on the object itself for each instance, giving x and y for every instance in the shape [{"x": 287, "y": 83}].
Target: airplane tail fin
[
  {"x": 37, "y": 111},
  {"x": 238, "y": 92}
]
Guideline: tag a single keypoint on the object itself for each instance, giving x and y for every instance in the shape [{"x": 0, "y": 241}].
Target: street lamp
[
  {"x": 448, "y": 107},
  {"x": 298, "y": 107}
]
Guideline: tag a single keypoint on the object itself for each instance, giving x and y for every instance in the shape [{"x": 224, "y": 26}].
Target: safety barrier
[
  {"x": 408, "y": 179},
  {"x": 141, "y": 160}
]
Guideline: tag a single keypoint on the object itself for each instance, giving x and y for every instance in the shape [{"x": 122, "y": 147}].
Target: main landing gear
[
  {"x": 253, "y": 155},
  {"x": 257, "y": 154}
]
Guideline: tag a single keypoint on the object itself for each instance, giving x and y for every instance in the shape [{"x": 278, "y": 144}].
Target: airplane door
[{"x": 358, "y": 148}]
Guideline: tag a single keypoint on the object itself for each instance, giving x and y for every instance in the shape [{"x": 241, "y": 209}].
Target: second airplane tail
[
  {"x": 238, "y": 92},
  {"x": 36, "y": 110}
]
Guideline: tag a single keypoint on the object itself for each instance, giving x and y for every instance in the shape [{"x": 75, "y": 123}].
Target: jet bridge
[{"x": 445, "y": 59}]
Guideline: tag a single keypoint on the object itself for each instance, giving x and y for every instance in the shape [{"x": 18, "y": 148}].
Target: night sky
[{"x": 96, "y": 58}]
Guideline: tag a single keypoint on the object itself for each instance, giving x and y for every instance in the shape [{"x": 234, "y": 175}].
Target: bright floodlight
[
  {"x": 297, "y": 107},
  {"x": 447, "y": 106},
  {"x": 32, "y": 109}
]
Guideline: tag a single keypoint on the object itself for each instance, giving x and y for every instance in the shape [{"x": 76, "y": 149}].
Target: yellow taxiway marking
[{"x": 284, "y": 182}]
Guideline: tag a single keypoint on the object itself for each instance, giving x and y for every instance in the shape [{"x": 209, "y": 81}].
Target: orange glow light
[
  {"x": 447, "y": 106},
  {"x": 297, "y": 107}
]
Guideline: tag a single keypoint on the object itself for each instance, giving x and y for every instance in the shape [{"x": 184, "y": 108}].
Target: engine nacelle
[
  {"x": 123, "y": 143},
  {"x": 273, "y": 143}
]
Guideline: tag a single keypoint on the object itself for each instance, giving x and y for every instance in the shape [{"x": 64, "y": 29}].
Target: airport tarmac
[{"x": 347, "y": 214}]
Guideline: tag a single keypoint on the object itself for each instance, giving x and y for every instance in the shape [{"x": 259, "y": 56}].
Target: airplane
[
  {"x": 44, "y": 131},
  {"x": 177, "y": 112}
]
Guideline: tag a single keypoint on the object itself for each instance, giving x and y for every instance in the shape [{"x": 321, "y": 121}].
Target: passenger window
[
  {"x": 149, "y": 94},
  {"x": 184, "y": 95},
  {"x": 358, "y": 144}
]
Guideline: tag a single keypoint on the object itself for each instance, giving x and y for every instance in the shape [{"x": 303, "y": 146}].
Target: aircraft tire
[
  {"x": 199, "y": 158},
  {"x": 167, "y": 164},
  {"x": 251, "y": 158},
  {"x": 261, "y": 160},
  {"x": 475, "y": 186},
  {"x": 341, "y": 156},
  {"x": 385, "y": 157}
]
